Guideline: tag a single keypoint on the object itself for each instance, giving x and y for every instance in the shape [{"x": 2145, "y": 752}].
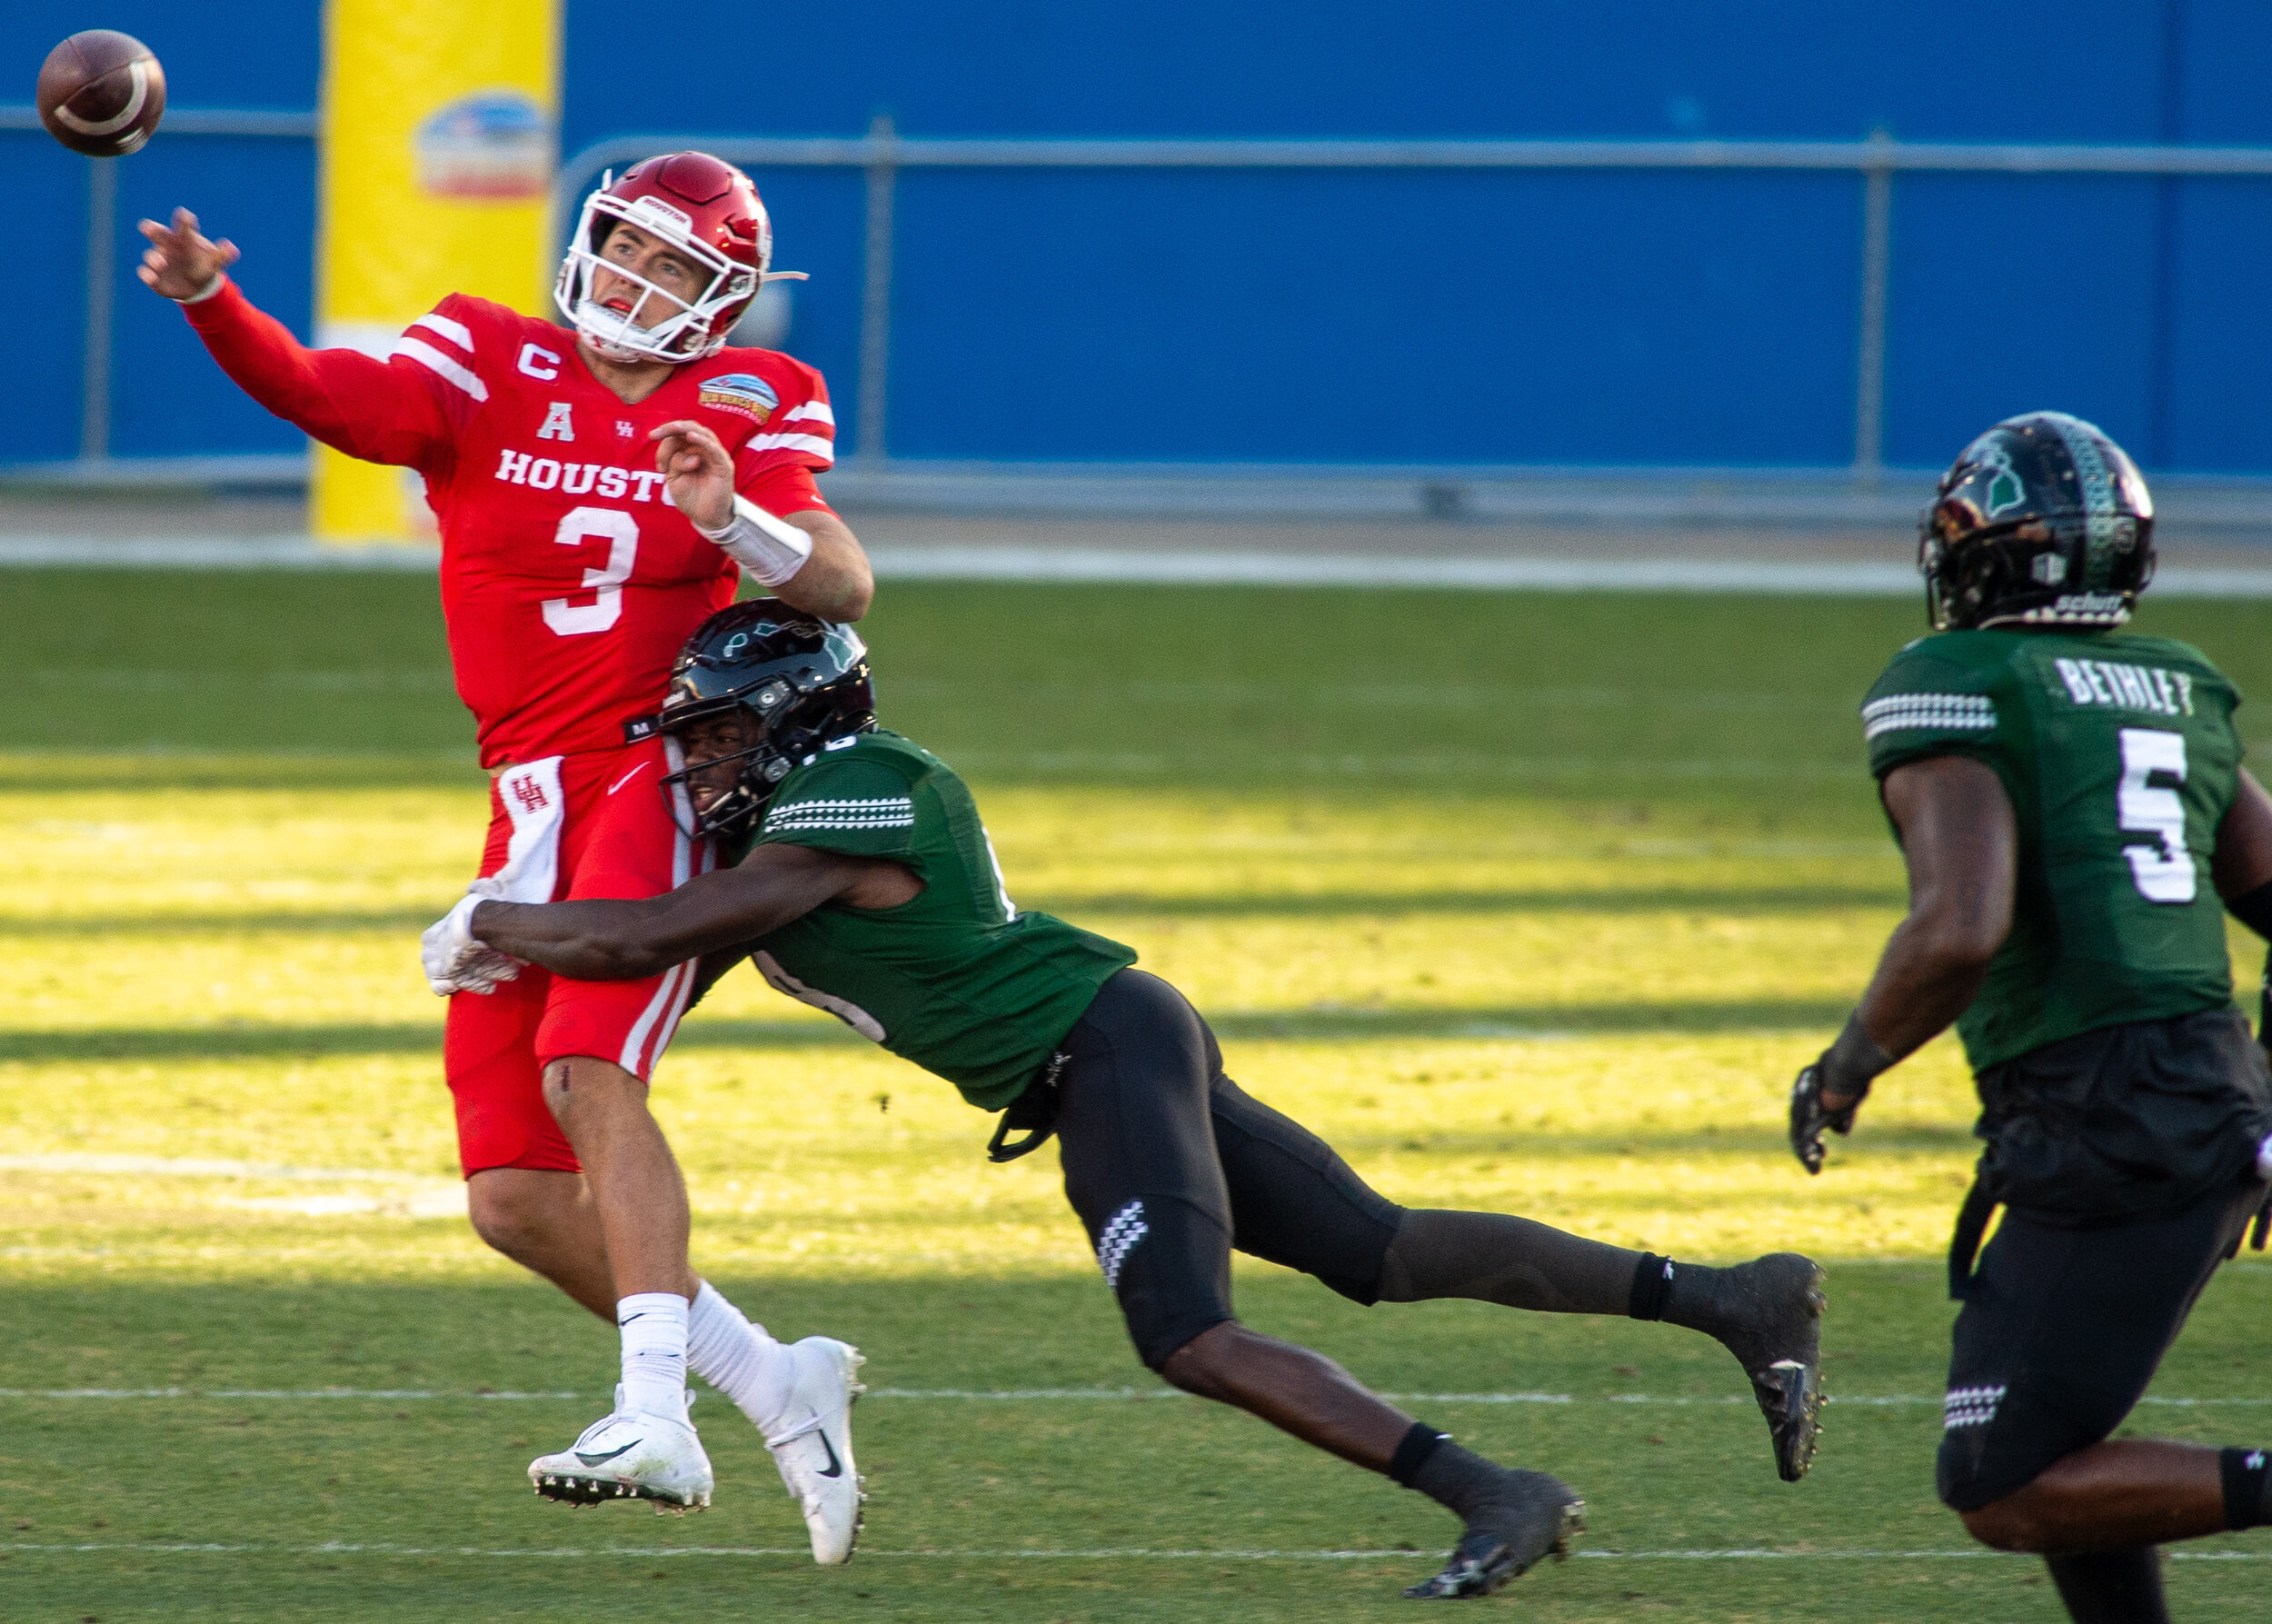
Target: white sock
[
  {"x": 741, "y": 1360},
  {"x": 654, "y": 1324}
]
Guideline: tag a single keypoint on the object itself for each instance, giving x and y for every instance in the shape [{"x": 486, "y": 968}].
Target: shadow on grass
[
  {"x": 1797, "y": 898},
  {"x": 922, "y": 1331},
  {"x": 1745, "y": 1143},
  {"x": 395, "y": 921},
  {"x": 1513, "y": 1021},
  {"x": 1736, "y": 902},
  {"x": 137, "y": 769},
  {"x": 1531, "y": 1021}
]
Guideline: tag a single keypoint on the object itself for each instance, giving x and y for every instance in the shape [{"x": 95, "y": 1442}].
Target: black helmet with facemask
[
  {"x": 2042, "y": 521},
  {"x": 797, "y": 683}
]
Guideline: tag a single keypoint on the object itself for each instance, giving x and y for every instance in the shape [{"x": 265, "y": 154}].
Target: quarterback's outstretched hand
[
  {"x": 454, "y": 960},
  {"x": 1809, "y": 1117},
  {"x": 697, "y": 472},
  {"x": 181, "y": 263}
]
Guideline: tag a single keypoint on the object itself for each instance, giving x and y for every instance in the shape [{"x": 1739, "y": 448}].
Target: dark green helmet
[
  {"x": 797, "y": 681},
  {"x": 2043, "y": 521}
]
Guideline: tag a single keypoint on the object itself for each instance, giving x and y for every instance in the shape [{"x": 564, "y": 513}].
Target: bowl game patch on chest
[{"x": 741, "y": 394}]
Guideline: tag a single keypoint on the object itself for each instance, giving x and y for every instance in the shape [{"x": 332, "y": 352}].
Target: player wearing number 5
[
  {"x": 2070, "y": 803},
  {"x": 599, "y": 492}
]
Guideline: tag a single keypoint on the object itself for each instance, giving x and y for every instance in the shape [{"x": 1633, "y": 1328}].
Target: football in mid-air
[{"x": 100, "y": 93}]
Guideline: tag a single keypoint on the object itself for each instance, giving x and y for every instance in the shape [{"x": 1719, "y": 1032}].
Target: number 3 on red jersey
[{"x": 620, "y": 531}]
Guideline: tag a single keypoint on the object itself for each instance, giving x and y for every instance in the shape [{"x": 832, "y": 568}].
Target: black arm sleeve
[
  {"x": 2254, "y": 909},
  {"x": 712, "y": 967}
]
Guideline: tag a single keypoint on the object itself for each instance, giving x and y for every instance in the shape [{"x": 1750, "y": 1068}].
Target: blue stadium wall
[{"x": 1603, "y": 318}]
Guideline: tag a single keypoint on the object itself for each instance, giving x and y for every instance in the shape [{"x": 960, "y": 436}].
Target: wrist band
[
  {"x": 771, "y": 549},
  {"x": 206, "y": 291},
  {"x": 1849, "y": 1064}
]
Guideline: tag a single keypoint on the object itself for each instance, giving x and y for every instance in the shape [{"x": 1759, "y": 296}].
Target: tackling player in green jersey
[
  {"x": 869, "y": 888},
  {"x": 2070, "y": 803}
]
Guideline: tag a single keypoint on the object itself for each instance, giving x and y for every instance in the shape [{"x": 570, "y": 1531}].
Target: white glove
[{"x": 454, "y": 960}]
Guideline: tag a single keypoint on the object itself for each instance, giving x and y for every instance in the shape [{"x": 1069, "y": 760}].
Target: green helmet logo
[{"x": 2005, "y": 491}]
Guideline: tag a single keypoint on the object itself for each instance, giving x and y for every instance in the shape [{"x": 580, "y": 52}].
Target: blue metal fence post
[
  {"x": 95, "y": 352},
  {"x": 876, "y": 295},
  {"x": 1869, "y": 370}
]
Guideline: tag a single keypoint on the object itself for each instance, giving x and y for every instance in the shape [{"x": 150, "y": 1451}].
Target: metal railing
[{"x": 883, "y": 152}]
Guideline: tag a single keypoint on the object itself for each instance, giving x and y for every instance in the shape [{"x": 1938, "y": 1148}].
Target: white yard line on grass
[
  {"x": 1131, "y": 1553},
  {"x": 390, "y": 1395},
  {"x": 1029, "y": 1395}
]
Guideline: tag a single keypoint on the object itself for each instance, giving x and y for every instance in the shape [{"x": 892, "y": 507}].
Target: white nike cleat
[
  {"x": 628, "y": 1455},
  {"x": 815, "y": 1450}
]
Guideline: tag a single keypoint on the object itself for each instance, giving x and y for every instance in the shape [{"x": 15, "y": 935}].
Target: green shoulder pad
[
  {"x": 1930, "y": 701},
  {"x": 861, "y": 802}
]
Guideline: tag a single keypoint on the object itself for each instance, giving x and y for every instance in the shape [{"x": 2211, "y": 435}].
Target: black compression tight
[
  {"x": 2111, "y": 1587},
  {"x": 1495, "y": 1257},
  {"x": 1170, "y": 1165},
  {"x": 1166, "y": 1160}
]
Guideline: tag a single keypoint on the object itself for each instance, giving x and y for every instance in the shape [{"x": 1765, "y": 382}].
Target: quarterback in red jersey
[{"x": 600, "y": 490}]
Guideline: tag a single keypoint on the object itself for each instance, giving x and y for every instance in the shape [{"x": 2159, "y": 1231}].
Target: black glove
[
  {"x": 1808, "y": 1117},
  {"x": 2264, "y": 1008},
  {"x": 1844, "y": 1069}
]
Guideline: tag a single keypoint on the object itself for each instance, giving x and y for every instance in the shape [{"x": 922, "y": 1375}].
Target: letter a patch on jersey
[{"x": 556, "y": 423}]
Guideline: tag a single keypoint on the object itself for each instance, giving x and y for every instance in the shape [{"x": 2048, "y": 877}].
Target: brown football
[{"x": 100, "y": 93}]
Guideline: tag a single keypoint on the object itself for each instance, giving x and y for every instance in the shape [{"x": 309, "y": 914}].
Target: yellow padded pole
[{"x": 437, "y": 156}]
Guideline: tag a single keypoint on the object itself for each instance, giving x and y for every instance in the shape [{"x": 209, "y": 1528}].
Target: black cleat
[
  {"x": 1539, "y": 1518},
  {"x": 1771, "y": 1309}
]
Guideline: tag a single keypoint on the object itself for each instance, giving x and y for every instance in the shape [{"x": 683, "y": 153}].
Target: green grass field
[{"x": 1526, "y": 903}]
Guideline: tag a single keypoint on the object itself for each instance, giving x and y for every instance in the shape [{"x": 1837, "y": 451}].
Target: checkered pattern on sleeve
[
  {"x": 1924, "y": 707},
  {"x": 856, "y": 806}
]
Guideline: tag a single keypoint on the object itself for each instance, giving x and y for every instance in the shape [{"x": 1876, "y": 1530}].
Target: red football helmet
[{"x": 708, "y": 211}]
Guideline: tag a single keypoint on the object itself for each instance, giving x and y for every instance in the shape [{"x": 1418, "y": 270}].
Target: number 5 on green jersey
[
  {"x": 2163, "y": 870},
  {"x": 2118, "y": 754}
]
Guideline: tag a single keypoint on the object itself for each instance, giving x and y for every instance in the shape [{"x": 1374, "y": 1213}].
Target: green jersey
[
  {"x": 2120, "y": 754},
  {"x": 957, "y": 981}
]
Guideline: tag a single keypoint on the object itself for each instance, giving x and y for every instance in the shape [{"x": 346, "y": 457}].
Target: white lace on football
[{"x": 695, "y": 330}]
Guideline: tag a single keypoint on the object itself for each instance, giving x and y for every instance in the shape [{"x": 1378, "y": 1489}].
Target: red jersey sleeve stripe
[
  {"x": 434, "y": 361},
  {"x": 457, "y": 332}
]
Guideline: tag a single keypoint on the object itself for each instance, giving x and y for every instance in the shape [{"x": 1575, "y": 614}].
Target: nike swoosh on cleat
[
  {"x": 603, "y": 1459},
  {"x": 835, "y": 1467}
]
